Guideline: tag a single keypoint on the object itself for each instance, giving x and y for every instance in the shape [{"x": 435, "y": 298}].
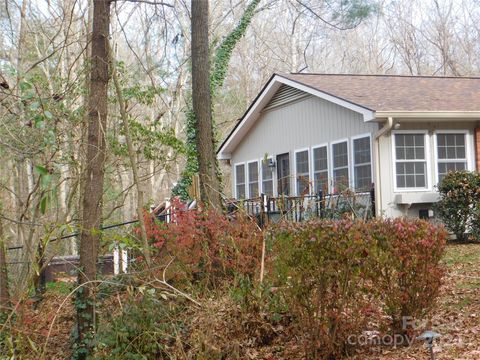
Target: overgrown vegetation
[
  {"x": 338, "y": 276},
  {"x": 326, "y": 281}
]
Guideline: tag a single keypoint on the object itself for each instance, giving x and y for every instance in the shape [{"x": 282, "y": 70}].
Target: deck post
[
  {"x": 319, "y": 206},
  {"x": 372, "y": 201},
  {"x": 263, "y": 210}
]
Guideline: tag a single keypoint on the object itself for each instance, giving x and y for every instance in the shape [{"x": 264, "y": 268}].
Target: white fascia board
[
  {"x": 418, "y": 115},
  {"x": 262, "y": 100}
]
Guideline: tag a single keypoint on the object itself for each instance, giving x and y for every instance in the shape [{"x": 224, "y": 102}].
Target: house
[{"x": 400, "y": 134}]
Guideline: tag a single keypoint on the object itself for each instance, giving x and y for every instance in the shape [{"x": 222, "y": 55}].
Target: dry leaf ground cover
[{"x": 456, "y": 317}]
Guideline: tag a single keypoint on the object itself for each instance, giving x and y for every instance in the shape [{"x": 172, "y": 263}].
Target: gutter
[{"x": 378, "y": 189}]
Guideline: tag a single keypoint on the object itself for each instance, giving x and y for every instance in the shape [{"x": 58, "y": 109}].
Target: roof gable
[{"x": 276, "y": 92}]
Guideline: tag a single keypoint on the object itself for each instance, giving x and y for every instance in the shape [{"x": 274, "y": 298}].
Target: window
[
  {"x": 362, "y": 163},
  {"x": 302, "y": 172},
  {"x": 267, "y": 178},
  {"x": 340, "y": 166},
  {"x": 320, "y": 169},
  {"x": 240, "y": 181},
  {"x": 451, "y": 153},
  {"x": 410, "y": 161},
  {"x": 253, "y": 179}
]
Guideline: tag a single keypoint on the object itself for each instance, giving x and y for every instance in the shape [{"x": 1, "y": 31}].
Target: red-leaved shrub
[
  {"x": 336, "y": 275},
  {"x": 407, "y": 265},
  {"x": 322, "y": 270},
  {"x": 208, "y": 246}
]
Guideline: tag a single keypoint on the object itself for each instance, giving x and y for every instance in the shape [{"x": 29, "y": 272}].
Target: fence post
[
  {"x": 320, "y": 203},
  {"x": 372, "y": 200}
]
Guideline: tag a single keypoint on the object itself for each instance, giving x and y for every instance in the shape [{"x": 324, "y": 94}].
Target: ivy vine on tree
[{"x": 220, "y": 67}]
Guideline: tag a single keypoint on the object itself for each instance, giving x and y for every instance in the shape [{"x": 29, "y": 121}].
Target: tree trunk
[
  {"x": 133, "y": 163},
  {"x": 202, "y": 107},
  {"x": 94, "y": 174},
  {"x": 4, "y": 295}
]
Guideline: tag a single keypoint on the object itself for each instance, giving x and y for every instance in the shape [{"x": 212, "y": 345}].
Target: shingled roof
[
  {"x": 398, "y": 93},
  {"x": 373, "y": 96}
]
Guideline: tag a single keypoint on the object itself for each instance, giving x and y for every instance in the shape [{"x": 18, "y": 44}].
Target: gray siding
[
  {"x": 388, "y": 198},
  {"x": 304, "y": 123}
]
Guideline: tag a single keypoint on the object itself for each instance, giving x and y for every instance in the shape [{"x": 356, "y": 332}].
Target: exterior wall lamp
[{"x": 271, "y": 164}]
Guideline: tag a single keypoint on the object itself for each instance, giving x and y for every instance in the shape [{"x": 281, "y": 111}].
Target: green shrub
[
  {"x": 459, "y": 205},
  {"x": 146, "y": 328},
  {"x": 336, "y": 275}
]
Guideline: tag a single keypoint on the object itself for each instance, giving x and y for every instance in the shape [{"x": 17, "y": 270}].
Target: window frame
[
  {"x": 468, "y": 153},
  {"x": 235, "y": 179},
  {"x": 312, "y": 165},
  {"x": 260, "y": 174},
  {"x": 295, "y": 169},
  {"x": 427, "y": 160},
  {"x": 352, "y": 139},
  {"x": 332, "y": 156},
  {"x": 247, "y": 179}
]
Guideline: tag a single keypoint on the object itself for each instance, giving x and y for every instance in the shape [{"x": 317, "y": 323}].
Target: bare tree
[{"x": 94, "y": 176}]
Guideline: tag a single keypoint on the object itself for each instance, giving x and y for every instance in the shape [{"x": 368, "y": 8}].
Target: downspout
[{"x": 378, "y": 188}]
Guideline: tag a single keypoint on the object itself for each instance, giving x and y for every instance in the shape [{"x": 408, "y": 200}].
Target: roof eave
[{"x": 473, "y": 115}]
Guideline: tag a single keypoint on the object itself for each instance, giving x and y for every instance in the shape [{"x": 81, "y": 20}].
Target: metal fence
[{"x": 360, "y": 205}]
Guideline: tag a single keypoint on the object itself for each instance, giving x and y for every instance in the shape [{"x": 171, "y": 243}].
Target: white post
[
  {"x": 124, "y": 261},
  {"x": 116, "y": 260},
  {"x": 167, "y": 211}
]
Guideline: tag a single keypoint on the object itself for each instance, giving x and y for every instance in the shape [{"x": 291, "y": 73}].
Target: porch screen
[
  {"x": 340, "y": 166},
  {"x": 302, "y": 168},
  {"x": 362, "y": 167},
  {"x": 253, "y": 179},
  {"x": 267, "y": 179},
  {"x": 320, "y": 169},
  {"x": 240, "y": 181}
]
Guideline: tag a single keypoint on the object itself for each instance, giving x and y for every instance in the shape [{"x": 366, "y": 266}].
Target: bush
[
  {"x": 408, "y": 272},
  {"x": 331, "y": 272},
  {"x": 322, "y": 268},
  {"x": 146, "y": 328},
  {"x": 459, "y": 205},
  {"x": 209, "y": 246}
]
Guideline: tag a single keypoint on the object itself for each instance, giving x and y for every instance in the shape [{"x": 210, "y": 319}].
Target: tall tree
[
  {"x": 4, "y": 295},
  {"x": 220, "y": 66},
  {"x": 202, "y": 106},
  {"x": 94, "y": 175}
]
